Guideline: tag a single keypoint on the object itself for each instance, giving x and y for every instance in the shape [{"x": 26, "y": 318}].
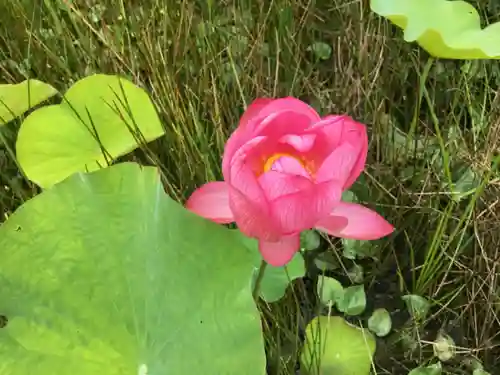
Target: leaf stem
[{"x": 258, "y": 281}]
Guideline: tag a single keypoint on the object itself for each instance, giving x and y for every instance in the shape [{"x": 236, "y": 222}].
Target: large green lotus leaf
[
  {"x": 446, "y": 29},
  {"x": 276, "y": 279},
  {"x": 335, "y": 347},
  {"x": 101, "y": 118},
  {"x": 105, "y": 274},
  {"x": 15, "y": 99}
]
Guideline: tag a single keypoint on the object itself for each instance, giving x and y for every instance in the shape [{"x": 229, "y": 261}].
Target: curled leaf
[
  {"x": 445, "y": 29},
  {"x": 444, "y": 347}
]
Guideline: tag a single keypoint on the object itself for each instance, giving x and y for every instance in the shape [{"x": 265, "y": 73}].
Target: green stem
[{"x": 258, "y": 281}]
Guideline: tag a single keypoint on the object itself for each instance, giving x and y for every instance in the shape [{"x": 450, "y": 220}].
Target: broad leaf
[
  {"x": 445, "y": 29},
  {"x": 102, "y": 117},
  {"x": 15, "y": 99},
  {"x": 335, "y": 347},
  {"x": 105, "y": 274}
]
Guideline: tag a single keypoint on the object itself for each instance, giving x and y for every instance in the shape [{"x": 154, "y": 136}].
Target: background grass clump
[{"x": 434, "y": 129}]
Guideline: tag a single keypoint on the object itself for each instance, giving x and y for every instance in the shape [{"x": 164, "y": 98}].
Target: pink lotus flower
[{"x": 284, "y": 171}]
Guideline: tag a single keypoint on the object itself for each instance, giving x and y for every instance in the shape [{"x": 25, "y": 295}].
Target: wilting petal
[
  {"x": 279, "y": 253},
  {"x": 253, "y": 220},
  {"x": 338, "y": 165},
  {"x": 302, "y": 210},
  {"x": 362, "y": 223},
  {"x": 211, "y": 201},
  {"x": 277, "y": 184}
]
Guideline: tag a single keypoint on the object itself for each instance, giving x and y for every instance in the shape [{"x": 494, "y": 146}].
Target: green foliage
[
  {"x": 417, "y": 306},
  {"x": 15, "y": 99},
  {"x": 444, "y": 347},
  {"x": 434, "y": 369},
  {"x": 99, "y": 276},
  {"x": 276, "y": 279},
  {"x": 353, "y": 301},
  {"x": 321, "y": 50},
  {"x": 330, "y": 291},
  {"x": 310, "y": 240},
  {"x": 353, "y": 249},
  {"x": 101, "y": 118},
  {"x": 380, "y": 322},
  {"x": 350, "y": 300},
  {"x": 335, "y": 347},
  {"x": 445, "y": 29}
]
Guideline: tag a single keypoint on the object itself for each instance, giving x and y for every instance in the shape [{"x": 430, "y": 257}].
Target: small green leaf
[
  {"x": 326, "y": 261},
  {"x": 466, "y": 184},
  {"x": 356, "y": 273},
  {"x": 15, "y": 99},
  {"x": 321, "y": 50},
  {"x": 330, "y": 291},
  {"x": 356, "y": 249},
  {"x": 480, "y": 371},
  {"x": 380, "y": 322},
  {"x": 333, "y": 346},
  {"x": 102, "y": 117},
  {"x": 310, "y": 240},
  {"x": 354, "y": 301},
  {"x": 434, "y": 369},
  {"x": 349, "y": 196},
  {"x": 444, "y": 347},
  {"x": 417, "y": 306},
  {"x": 276, "y": 279}
]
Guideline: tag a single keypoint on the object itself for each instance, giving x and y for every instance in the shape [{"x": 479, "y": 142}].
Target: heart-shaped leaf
[
  {"x": 101, "y": 118},
  {"x": 354, "y": 301},
  {"x": 418, "y": 306},
  {"x": 330, "y": 291},
  {"x": 15, "y": 99},
  {"x": 380, "y": 323}
]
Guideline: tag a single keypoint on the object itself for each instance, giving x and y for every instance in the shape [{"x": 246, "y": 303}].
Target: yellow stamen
[{"x": 270, "y": 161}]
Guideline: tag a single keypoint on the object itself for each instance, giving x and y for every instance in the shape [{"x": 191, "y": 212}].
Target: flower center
[{"x": 268, "y": 165}]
